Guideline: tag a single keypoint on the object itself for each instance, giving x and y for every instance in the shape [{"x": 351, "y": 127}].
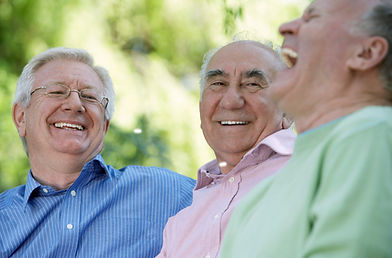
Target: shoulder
[
  {"x": 361, "y": 143},
  {"x": 160, "y": 177},
  {"x": 9, "y": 197},
  {"x": 370, "y": 127},
  {"x": 367, "y": 121},
  {"x": 151, "y": 173}
]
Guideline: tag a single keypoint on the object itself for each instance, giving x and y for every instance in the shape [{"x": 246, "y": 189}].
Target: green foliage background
[{"x": 152, "y": 48}]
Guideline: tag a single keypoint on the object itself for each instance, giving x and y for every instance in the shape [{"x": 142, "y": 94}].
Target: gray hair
[
  {"x": 210, "y": 54},
  {"x": 377, "y": 22},
  {"x": 26, "y": 79}
]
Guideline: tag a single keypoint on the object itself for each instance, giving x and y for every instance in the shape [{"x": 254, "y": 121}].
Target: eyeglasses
[{"x": 62, "y": 91}]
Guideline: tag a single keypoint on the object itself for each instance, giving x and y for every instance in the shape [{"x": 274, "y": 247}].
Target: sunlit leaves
[{"x": 231, "y": 15}]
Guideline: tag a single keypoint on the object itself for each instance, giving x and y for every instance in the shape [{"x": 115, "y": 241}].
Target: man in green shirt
[{"x": 334, "y": 197}]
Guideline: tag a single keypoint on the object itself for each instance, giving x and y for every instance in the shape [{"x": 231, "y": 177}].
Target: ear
[
  {"x": 369, "y": 54},
  {"x": 18, "y": 115},
  {"x": 107, "y": 126}
]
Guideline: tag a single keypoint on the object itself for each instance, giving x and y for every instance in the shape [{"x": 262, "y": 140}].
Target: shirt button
[
  {"x": 45, "y": 190},
  {"x": 208, "y": 256},
  {"x": 73, "y": 193},
  {"x": 231, "y": 179},
  {"x": 216, "y": 216},
  {"x": 69, "y": 226}
]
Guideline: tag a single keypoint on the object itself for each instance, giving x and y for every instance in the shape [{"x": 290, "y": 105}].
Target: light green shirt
[{"x": 333, "y": 198}]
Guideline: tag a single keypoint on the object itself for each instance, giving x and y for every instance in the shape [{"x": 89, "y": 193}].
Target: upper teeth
[
  {"x": 288, "y": 53},
  {"x": 233, "y": 123},
  {"x": 61, "y": 125}
]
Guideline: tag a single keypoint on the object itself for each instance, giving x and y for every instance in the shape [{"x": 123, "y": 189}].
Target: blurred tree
[
  {"x": 144, "y": 146},
  {"x": 231, "y": 15},
  {"x": 161, "y": 28}
]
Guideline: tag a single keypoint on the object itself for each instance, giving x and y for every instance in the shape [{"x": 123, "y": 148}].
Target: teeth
[
  {"x": 62, "y": 125},
  {"x": 288, "y": 55},
  {"x": 233, "y": 123}
]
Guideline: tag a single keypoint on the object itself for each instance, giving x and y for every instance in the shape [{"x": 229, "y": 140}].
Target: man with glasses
[{"x": 73, "y": 204}]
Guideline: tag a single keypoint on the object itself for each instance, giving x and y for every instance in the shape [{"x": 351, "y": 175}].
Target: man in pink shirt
[{"x": 247, "y": 132}]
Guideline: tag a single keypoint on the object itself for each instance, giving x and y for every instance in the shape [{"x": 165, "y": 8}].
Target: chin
[
  {"x": 75, "y": 149},
  {"x": 234, "y": 147}
]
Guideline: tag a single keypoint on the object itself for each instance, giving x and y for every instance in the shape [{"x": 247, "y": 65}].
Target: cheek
[
  {"x": 204, "y": 125},
  {"x": 205, "y": 120},
  {"x": 208, "y": 106},
  {"x": 34, "y": 119}
]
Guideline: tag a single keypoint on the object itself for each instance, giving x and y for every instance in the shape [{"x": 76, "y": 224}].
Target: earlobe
[
  {"x": 18, "y": 115},
  {"x": 368, "y": 55}
]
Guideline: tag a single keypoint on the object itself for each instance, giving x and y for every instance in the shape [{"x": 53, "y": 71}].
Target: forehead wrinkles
[
  {"x": 226, "y": 65},
  {"x": 69, "y": 72}
]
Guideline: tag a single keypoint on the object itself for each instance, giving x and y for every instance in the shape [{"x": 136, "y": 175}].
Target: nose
[
  {"x": 232, "y": 98},
  {"x": 73, "y": 102},
  {"x": 289, "y": 28}
]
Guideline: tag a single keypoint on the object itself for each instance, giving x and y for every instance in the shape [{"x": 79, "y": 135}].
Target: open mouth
[
  {"x": 228, "y": 123},
  {"x": 68, "y": 126},
  {"x": 289, "y": 56}
]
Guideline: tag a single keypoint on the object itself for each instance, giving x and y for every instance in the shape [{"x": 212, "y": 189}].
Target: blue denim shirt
[{"x": 105, "y": 213}]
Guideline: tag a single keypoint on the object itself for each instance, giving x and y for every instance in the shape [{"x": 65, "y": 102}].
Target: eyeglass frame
[{"x": 79, "y": 92}]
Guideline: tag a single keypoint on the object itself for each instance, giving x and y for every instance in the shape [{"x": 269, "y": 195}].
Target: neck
[
  {"x": 59, "y": 173},
  {"x": 342, "y": 98},
  {"x": 329, "y": 111},
  {"x": 227, "y": 162}
]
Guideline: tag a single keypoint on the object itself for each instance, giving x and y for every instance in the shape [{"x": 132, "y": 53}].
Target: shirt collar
[
  {"x": 281, "y": 142},
  {"x": 31, "y": 185},
  {"x": 91, "y": 169}
]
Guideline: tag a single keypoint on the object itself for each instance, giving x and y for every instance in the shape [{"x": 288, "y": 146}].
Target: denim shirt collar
[{"x": 90, "y": 170}]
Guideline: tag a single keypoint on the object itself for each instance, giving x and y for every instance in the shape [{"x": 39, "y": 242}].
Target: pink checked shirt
[{"x": 197, "y": 231}]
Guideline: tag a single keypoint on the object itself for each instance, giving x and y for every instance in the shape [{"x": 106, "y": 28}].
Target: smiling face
[
  {"x": 53, "y": 126},
  {"x": 318, "y": 46},
  {"x": 234, "y": 110}
]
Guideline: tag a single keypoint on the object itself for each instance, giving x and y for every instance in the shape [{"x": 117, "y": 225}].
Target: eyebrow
[
  {"x": 258, "y": 74},
  {"x": 215, "y": 72},
  {"x": 84, "y": 86},
  {"x": 254, "y": 73}
]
